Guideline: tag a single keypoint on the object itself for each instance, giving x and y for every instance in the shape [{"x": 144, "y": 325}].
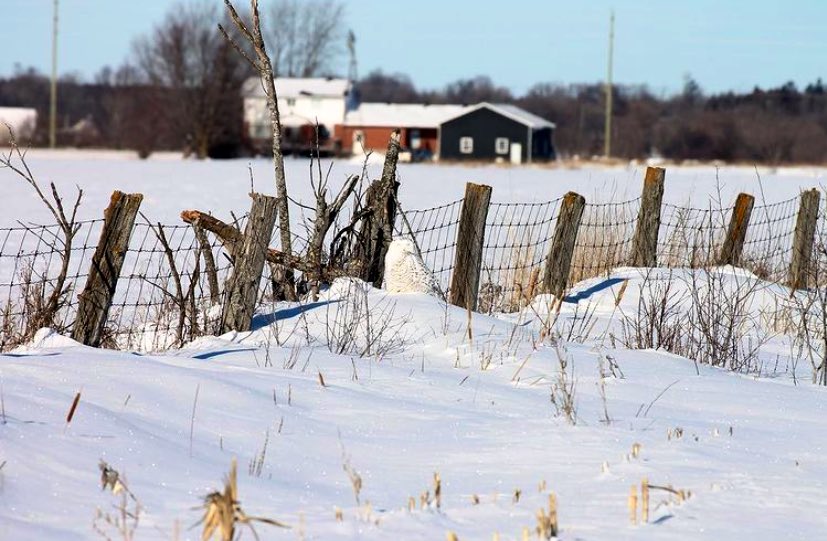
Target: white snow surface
[
  {"x": 395, "y": 386},
  {"x": 422, "y": 398},
  {"x": 170, "y": 184}
]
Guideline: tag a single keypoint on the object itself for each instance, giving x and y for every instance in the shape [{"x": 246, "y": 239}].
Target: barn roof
[
  {"x": 511, "y": 111},
  {"x": 292, "y": 87},
  {"x": 402, "y": 115}
]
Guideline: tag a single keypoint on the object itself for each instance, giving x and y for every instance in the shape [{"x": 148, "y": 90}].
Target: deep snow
[
  {"x": 406, "y": 394},
  {"x": 424, "y": 400}
]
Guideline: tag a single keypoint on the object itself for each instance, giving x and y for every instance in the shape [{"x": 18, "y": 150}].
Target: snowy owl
[{"x": 404, "y": 270}]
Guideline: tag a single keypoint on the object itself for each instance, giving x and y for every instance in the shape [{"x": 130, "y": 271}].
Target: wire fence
[{"x": 165, "y": 296}]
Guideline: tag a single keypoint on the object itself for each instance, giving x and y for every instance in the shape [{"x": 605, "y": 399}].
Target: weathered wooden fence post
[
  {"x": 96, "y": 298},
  {"x": 465, "y": 280},
  {"x": 381, "y": 199},
  {"x": 737, "y": 232},
  {"x": 242, "y": 286},
  {"x": 805, "y": 229},
  {"x": 645, "y": 242},
  {"x": 558, "y": 260}
]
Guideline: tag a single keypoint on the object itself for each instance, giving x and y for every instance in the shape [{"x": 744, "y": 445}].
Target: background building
[{"x": 497, "y": 131}]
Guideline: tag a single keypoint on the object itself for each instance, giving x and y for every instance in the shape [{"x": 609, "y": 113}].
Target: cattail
[{"x": 73, "y": 408}]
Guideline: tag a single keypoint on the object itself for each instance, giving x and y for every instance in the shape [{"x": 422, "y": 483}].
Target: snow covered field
[
  {"x": 170, "y": 184},
  {"x": 392, "y": 387}
]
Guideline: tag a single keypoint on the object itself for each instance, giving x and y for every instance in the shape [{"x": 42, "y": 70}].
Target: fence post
[
  {"x": 96, "y": 298},
  {"x": 241, "y": 290},
  {"x": 558, "y": 261},
  {"x": 465, "y": 280},
  {"x": 805, "y": 229},
  {"x": 737, "y": 232},
  {"x": 645, "y": 242}
]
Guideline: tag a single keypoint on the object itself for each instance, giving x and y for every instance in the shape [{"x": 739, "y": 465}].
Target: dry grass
[{"x": 223, "y": 513}]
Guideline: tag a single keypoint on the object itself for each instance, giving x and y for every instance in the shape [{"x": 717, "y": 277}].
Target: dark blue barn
[{"x": 491, "y": 131}]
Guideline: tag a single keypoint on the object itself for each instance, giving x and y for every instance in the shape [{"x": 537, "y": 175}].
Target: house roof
[
  {"x": 292, "y": 87},
  {"x": 511, "y": 111},
  {"x": 402, "y": 115}
]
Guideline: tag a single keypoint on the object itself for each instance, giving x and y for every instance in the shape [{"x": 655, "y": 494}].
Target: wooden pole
[
  {"x": 558, "y": 260},
  {"x": 737, "y": 232},
  {"x": 805, "y": 229},
  {"x": 53, "y": 82},
  {"x": 645, "y": 243},
  {"x": 465, "y": 280},
  {"x": 607, "y": 127},
  {"x": 242, "y": 286},
  {"x": 96, "y": 299}
]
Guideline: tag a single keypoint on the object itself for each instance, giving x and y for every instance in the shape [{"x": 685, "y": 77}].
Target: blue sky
[{"x": 723, "y": 44}]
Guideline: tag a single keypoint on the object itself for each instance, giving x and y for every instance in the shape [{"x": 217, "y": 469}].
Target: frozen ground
[
  {"x": 400, "y": 404},
  {"x": 171, "y": 184},
  {"x": 313, "y": 389}
]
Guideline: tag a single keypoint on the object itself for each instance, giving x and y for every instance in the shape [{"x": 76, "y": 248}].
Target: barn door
[{"x": 516, "y": 153}]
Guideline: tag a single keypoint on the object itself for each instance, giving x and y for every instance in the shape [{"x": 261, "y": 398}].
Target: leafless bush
[
  {"x": 657, "y": 323},
  {"x": 42, "y": 301},
  {"x": 356, "y": 326}
]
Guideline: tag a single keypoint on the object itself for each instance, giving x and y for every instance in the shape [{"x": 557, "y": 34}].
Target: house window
[
  {"x": 501, "y": 145},
  {"x": 466, "y": 145},
  {"x": 291, "y": 102}
]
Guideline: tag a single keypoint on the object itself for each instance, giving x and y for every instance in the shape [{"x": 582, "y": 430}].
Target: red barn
[{"x": 370, "y": 125}]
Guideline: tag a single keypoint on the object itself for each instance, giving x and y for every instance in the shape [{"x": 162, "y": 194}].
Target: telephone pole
[
  {"x": 607, "y": 132},
  {"x": 53, "y": 90}
]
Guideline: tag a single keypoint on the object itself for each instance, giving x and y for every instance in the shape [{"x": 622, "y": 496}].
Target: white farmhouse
[{"x": 302, "y": 103}]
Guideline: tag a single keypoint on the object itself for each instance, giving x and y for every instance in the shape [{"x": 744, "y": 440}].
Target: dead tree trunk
[
  {"x": 737, "y": 232},
  {"x": 558, "y": 261},
  {"x": 465, "y": 281},
  {"x": 805, "y": 230},
  {"x": 261, "y": 63},
  {"x": 241, "y": 291},
  {"x": 377, "y": 218},
  {"x": 645, "y": 243},
  {"x": 96, "y": 299}
]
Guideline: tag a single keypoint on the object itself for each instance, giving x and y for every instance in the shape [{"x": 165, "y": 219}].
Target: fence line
[{"x": 146, "y": 315}]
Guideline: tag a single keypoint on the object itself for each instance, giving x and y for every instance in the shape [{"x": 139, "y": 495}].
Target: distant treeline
[
  {"x": 777, "y": 125},
  {"x": 125, "y": 109}
]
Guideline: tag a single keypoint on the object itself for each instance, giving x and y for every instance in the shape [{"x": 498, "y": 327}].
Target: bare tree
[
  {"x": 305, "y": 38},
  {"x": 251, "y": 33},
  {"x": 187, "y": 56}
]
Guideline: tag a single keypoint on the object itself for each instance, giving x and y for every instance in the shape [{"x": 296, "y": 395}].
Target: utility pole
[
  {"x": 607, "y": 132},
  {"x": 53, "y": 92}
]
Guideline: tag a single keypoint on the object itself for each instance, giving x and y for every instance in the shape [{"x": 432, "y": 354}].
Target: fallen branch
[{"x": 231, "y": 236}]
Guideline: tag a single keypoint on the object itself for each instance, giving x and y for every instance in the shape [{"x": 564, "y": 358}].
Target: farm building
[
  {"x": 369, "y": 126},
  {"x": 302, "y": 102},
  {"x": 489, "y": 131}
]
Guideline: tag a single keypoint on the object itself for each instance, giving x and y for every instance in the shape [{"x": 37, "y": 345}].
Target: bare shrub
[
  {"x": 657, "y": 321},
  {"x": 43, "y": 295},
  {"x": 356, "y": 326}
]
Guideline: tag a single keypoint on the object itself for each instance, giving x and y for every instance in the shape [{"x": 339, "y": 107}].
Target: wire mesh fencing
[{"x": 171, "y": 285}]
